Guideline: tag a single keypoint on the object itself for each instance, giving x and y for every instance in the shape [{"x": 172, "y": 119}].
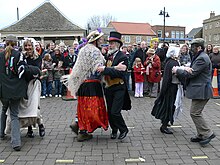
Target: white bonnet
[{"x": 173, "y": 52}]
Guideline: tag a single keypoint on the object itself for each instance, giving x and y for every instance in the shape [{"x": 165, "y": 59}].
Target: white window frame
[
  {"x": 210, "y": 37},
  {"x": 182, "y": 34},
  {"x": 127, "y": 39},
  {"x": 177, "y": 34},
  {"x": 138, "y": 39},
  {"x": 216, "y": 37},
  {"x": 148, "y": 39},
  {"x": 173, "y": 34},
  {"x": 160, "y": 32}
]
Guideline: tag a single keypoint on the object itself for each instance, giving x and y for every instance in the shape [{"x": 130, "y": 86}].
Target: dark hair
[
  {"x": 9, "y": 48},
  {"x": 47, "y": 46}
]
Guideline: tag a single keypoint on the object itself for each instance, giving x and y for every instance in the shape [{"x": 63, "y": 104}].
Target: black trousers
[{"x": 115, "y": 100}]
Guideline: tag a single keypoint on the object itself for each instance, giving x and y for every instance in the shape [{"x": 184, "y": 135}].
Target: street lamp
[{"x": 165, "y": 14}]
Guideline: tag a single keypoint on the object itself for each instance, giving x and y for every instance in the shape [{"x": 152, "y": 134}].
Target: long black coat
[
  {"x": 113, "y": 73},
  {"x": 164, "y": 105},
  {"x": 11, "y": 87}
]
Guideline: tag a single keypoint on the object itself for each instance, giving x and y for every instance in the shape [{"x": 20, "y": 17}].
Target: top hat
[
  {"x": 94, "y": 35},
  {"x": 115, "y": 36}
]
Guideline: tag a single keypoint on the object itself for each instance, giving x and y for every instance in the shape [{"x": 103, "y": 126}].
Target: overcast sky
[{"x": 188, "y": 13}]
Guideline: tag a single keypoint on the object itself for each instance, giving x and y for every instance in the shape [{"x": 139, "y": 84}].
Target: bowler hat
[
  {"x": 11, "y": 37},
  {"x": 150, "y": 51},
  {"x": 115, "y": 36},
  {"x": 198, "y": 41}
]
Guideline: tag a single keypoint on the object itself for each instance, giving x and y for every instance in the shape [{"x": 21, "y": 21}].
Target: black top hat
[{"x": 115, "y": 36}]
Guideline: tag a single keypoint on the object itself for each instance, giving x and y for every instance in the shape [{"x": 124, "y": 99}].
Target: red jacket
[
  {"x": 139, "y": 72},
  {"x": 155, "y": 71}
]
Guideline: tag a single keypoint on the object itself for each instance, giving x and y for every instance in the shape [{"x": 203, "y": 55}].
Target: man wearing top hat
[
  {"x": 116, "y": 92},
  {"x": 199, "y": 89}
]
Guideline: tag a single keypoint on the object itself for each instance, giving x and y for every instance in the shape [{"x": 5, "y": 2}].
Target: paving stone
[{"x": 144, "y": 140}]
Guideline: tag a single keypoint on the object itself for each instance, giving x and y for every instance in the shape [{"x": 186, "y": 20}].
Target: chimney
[{"x": 212, "y": 14}]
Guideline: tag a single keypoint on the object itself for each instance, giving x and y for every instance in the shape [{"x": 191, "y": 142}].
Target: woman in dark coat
[
  {"x": 164, "y": 105},
  {"x": 13, "y": 87}
]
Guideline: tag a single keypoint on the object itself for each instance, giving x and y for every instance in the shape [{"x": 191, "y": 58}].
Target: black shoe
[
  {"x": 207, "y": 140},
  {"x": 113, "y": 135},
  {"x": 165, "y": 130},
  {"x": 75, "y": 128},
  {"x": 41, "y": 130},
  {"x": 30, "y": 134},
  {"x": 195, "y": 139},
  {"x": 17, "y": 148},
  {"x": 123, "y": 135}
]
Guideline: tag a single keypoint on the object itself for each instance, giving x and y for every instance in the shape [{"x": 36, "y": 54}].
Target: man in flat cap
[{"x": 199, "y": 89}]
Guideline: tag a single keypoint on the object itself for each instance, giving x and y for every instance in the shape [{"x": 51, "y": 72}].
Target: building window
[
  {"x": 138, "y": 39},
  {"x": 148, "y": 40},
  {"x": 159, "y": 33},
  {"x": 206, "y": 27},
  {"x": 182, "y": 34},
  {"x": 173, "y": 34},
  {"x": 127, "y": 39},
  {"x": 177, "y": 34},
  {"x": 210, "y": 26},
  {"x": 217, "y": 24},
  {"x": 205, "y": 38},
  {"x": 216, "y": 37},
  {"x": 210, "y": 37}
]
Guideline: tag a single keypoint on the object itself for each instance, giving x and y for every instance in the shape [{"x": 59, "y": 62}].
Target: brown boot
[
  {"x": 75, "y": 128},
  {"x": 85, "y": 136}
]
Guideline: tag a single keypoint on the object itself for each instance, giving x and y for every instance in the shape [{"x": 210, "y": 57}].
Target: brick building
[
  {"x": 173, "y": 34},
  {"x": 211, "y": 29},
  {"x": 133, "y": 32}
]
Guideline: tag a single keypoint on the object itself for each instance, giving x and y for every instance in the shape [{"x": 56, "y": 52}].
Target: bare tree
[
  {"x": 99, "y": 21},
  {"x": 106, "y": 19},
  {"x": 94, "y": 22}
]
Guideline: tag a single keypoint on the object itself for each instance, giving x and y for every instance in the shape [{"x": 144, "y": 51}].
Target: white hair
[{"x": 173, "y": 52}]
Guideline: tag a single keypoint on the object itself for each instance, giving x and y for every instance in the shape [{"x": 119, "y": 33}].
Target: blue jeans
[
  {"x": 5, "y": 105},
  {"x": 58, "y": 87},
  {"x": 127, "y": 77},
  {"x": 46, "y": 87},
  {"x": 15, "y": 124}
]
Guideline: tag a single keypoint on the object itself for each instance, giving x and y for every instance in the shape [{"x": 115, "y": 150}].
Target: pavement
[{"x": 145, "y": 144}]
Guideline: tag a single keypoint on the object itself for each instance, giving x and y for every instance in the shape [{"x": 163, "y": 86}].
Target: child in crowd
[
  {"x": 153, "y": 72},
  {"x": 138, "y": 77},
  {"x": 48, "y": 80},
  {"x": 58, "y": 73}
]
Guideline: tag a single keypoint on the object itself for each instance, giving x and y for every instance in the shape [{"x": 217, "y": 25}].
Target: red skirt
[{"x": 91, "y": 109}]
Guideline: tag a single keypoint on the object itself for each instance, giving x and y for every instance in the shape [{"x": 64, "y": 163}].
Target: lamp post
[{"x": 165, "y": 14}]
